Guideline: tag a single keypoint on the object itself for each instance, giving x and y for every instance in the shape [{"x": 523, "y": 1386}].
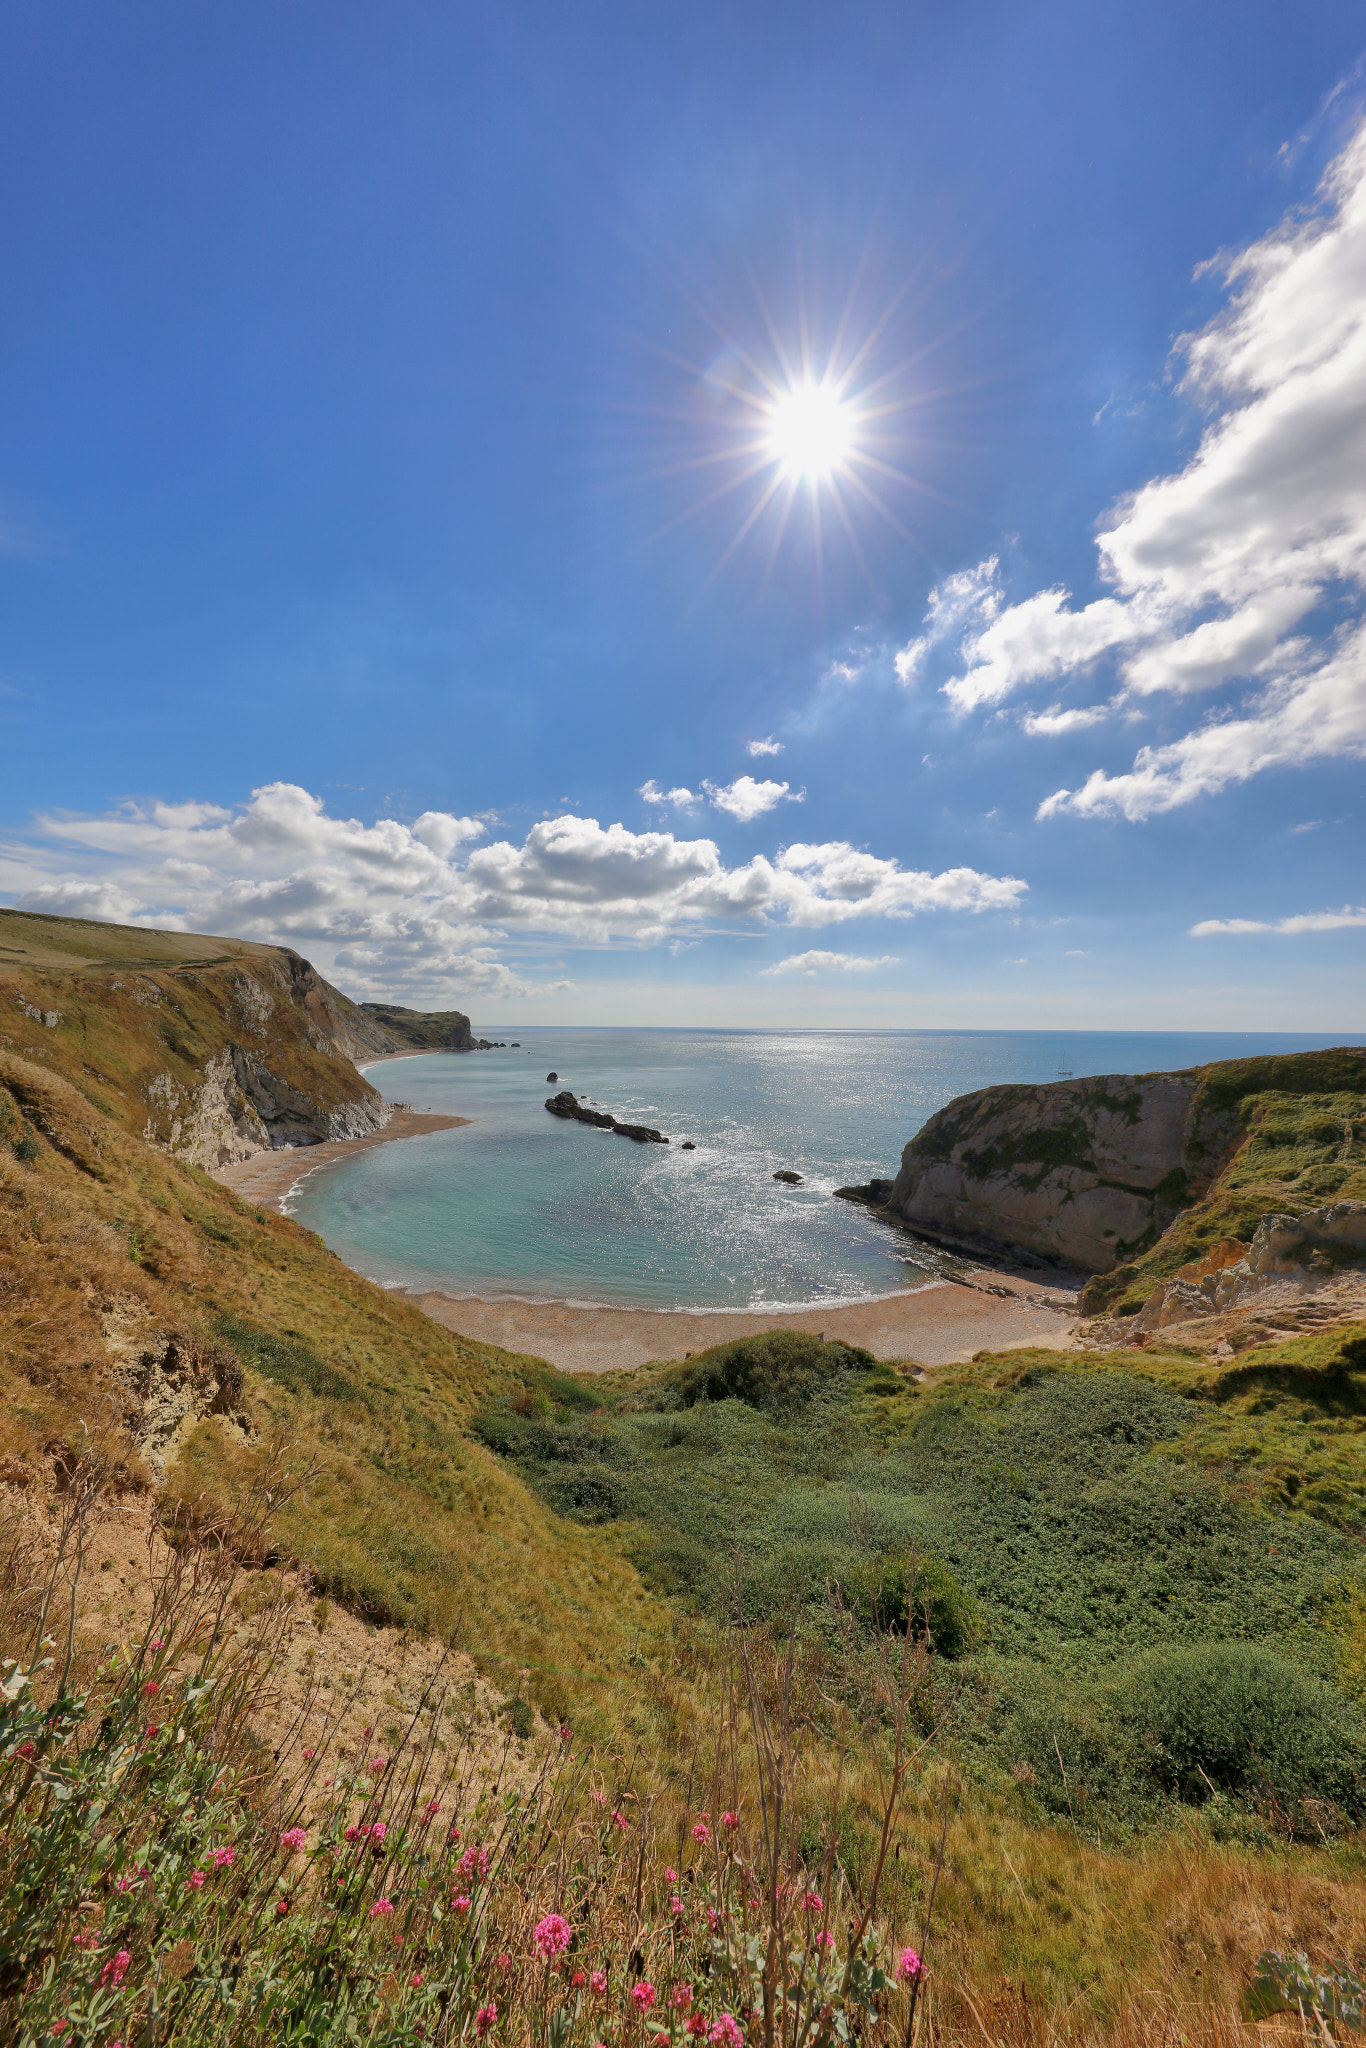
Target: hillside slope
[{"x": 148, "y": 1310}]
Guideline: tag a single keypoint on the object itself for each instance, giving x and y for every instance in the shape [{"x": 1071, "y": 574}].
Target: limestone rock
[{"x": 1083, "y": 1172}]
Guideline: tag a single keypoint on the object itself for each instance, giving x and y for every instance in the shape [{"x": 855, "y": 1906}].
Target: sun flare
[{"x": 810, "y": 431}]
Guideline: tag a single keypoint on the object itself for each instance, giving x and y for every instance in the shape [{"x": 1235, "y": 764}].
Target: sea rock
[
  {"x": 564, "y": 1105},
  {"x": 1086, "y": 1172},
  {"x": 874, "y": 1193},
  {"x": 794, "y": 1180},
  {"x": 687, "y": 1146},
  {"x": 552, "y": 1076}
]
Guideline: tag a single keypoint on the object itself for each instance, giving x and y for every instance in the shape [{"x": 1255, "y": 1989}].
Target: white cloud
[
  {"x": 746, "y": 799},
  {"x": 969, "y": 596},
  {"x": 768, "y": 746},
  {"x": 681, "y": 799},
  {"x": 1295, "y": 721},
  {"x": 1218, "y": 570},
  {"x": 1307, "y": 921},
  {"x": 393, "y": 905},
  {"x": 1049, "y": 724},
  {"x": 820, "y": 963}
]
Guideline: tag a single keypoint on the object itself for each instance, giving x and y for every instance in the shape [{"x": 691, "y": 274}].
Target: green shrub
[
  {"x": 907, "y": 1589},
  {"x": 775, "y": 1372},
  {"x": 1235, "y": 1717}
]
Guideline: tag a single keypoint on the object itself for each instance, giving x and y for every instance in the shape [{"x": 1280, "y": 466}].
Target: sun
[{"x": 810, "y": 431}]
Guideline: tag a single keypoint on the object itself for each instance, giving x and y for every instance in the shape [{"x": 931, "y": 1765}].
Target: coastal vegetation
[{"x": 1096, "y": 1620}]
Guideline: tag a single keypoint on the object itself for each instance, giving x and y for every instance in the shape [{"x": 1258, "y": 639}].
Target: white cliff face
[
  {"x": 1083, "y": 1172},
  {"x": 240, "y": 1108}
]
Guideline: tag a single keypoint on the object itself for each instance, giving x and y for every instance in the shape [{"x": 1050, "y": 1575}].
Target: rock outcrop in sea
[{"x": 565, "y": 1105}]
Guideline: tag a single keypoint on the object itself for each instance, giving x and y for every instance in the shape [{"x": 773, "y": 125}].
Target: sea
[{"x": 522, "y": 1205}]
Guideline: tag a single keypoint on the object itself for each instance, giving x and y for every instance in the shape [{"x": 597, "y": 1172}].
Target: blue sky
[{"x": 404, "y": 552}]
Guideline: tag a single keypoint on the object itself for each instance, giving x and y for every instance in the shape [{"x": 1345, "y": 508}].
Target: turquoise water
[{"x": 520, "y": 1203}]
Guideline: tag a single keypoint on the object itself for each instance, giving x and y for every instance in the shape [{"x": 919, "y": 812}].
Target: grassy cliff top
[{"x": 31, "y": 941}]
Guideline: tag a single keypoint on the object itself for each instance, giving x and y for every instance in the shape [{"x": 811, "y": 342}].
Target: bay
[{"x": 522, "y": 1204}]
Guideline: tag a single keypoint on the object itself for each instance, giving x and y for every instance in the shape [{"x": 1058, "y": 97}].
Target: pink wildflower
[
  {"x": 730, "y": 1820},
  {"x": 812, "y": 1902},
  {"x": 672, "y": 1876},
  {"x": 578, "y": 1980},
  {"x": 151, "y": 1689},
  {"x": 551, "y": 1935},
  {"x": 461, "y": 1904},
  {"x": 308, "y": 1756},
  {"x": 59, "y": 2026},
  {"x": 328, "y": 1783},
  {"x": 125, "y": 1884},
  {"x": 599, "y": 1797},
  {"x": 223, "y": 1858},
  {"x": 714, "y": 1918},
  {"x": 293, "y": 1839},
  {"x": 725, "y": 2032},
  {"x": 377, "y": 1830},
  {"x": 661, "y": 2039},
  {"x": 430, "y": 1811},
  {"x": 474, "y": 1862},
  {"x": 366, "y": 1733},
  {"x": 148, "y": 1733},
  {"x": 116, "y": 1969},
  {"x": 700, "y": 1831},
  {"x": 682, "y": 1997},
  {"x": 86, "y": 1939},
  {"x": 505, "y": 1962},
  {"x": 618, "y": 1818},
  {"x": 282, "y": 1907},
  {"x": 157, "y": 1643},
  {"x": 27, "y": 1750},
  {"x": 382, "y": 1909},
  {"x": 566, "y": 1732},
  {"x": 486, "y": 2017},
  {"x": 598, "y": 1983},
  {"x": 195, "y": 1881},
  {"x": 351, "y": 1834},
  {"x": 825, "y": 1940},
  {"x": 908, "y": 1965},
  {"x": 377, "y": 1764},
  {"x": 675, "y": 1904},
  {"x": 696, "y": 2024},
  {"x": 643, "y": 1995}
]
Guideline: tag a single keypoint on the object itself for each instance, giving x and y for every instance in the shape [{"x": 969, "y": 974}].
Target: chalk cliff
[{"x": 1084, "y": 1172}]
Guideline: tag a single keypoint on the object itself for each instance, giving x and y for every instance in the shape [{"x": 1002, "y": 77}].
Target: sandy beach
[
  {"x": 942, "y": 1324},
  {"x": 268, "y": 1177}
]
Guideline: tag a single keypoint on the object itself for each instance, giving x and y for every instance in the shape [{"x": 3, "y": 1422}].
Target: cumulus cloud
[
  {"x": 768, "y": 746},
  {"x": 816, "y": 962},
  {"x": 745, "y": 798},
  {"x": 392, "y": 905},
  {"x": 1244, "y": 570},
  {"x": 1306, "y": 921}
]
